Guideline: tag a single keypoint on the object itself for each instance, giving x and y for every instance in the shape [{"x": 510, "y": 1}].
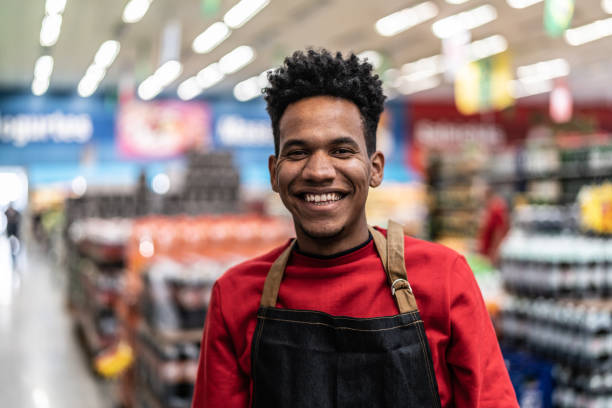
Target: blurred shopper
[
  {"x": 13, "y": 222},
  {"x": 315, "y": 322},
  {"x": 495, "y": 225}
]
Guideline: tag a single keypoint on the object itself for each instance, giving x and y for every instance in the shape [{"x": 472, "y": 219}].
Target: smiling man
[{"x": 344, "y": 315}]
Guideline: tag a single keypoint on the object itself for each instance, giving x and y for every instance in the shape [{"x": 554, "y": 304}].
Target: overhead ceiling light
[
  {"x": 168, "y": 72},
  {"x": 520, "y": 4},
  {"x": 87, "y": 86},
  {"x": 432, "y": 65},
  {"x": 40, "y": 85},
  {"x": 149, "y": 88},
  {"x": 210, "y": 38},
  {"x": 55, "y": 6},
  {"x": 236, "y": 59},
  {"x": 43, "y": 67},
  {"x": 189, "y": 89},
  {"x": 107, "y": 53},
  {"x": 520, "y": 89},
  {"x": 457, "y": 1},
  {"x": 50, "y": 29},
  {"x": 544, "y": 70},
  {"x": 407, "y": 18},
  {"x": 135, "y": 10},
  {"x": 242, "y": 12},
  {"x": 589, "y": 32},
  {"x": 209, "y": 76},
  {"x": 373, "y": 57},
  {"x": 95, "y": 72},
  {"x": 606, "y": 5},
  {"x": 487, "y": 47},
  {"x": 464, "y": 21},
  {"x": 408, "y": 87},
  {"x": 251, "y": 88}
]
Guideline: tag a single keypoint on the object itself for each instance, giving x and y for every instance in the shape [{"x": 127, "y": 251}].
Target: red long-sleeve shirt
[{"x": 466, "y": 356}]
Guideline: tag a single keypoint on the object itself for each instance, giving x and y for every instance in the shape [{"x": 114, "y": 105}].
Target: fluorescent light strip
[
  {"x": 464, "y": 21},
  {"x": 189, "y": 89},
  {"x": 149, "y": 88},
  {"x": 407, "y": 18},
  {"x": 487, "y": 47},
  {"x": 457, "y": 1},
  {"x": 408, "y": 87},
  {"x": 104, "y": 58},
  {"x": 55, "y": 6},
  {"x": 521, "y": 4},
  {"x": 50, "y": 29},
  {"x": 40, "y": 86},
  {"x": 589, "y": 32},
  {"x": 606, "y": 5},
  {"x": 236, "y": 59},
  {"x": 107, "y": 53},
  {"x": 544, "y": 70},
  {"x": 210, "y": 76},
  {"x": 242, "y": 12},
  {"x": 43, "y": 67},
  {"x": 520, "y": 89},
  {"x": 210, "y": 38},
  {"x": 251, "y": 88},
  {"x": 135, "y": 10}
]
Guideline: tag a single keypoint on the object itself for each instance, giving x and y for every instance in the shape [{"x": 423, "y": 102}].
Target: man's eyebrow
[
  {"x": 293, "y": 143},
  {"x": 345, "y": 141}
]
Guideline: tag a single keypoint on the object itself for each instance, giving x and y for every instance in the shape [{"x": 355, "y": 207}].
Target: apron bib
[{"x": 310, "y": 359}]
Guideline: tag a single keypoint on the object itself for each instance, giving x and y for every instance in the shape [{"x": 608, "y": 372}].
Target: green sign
[
  {"x": 558, "y": 16},
  {"x": 210, "y": 7}
]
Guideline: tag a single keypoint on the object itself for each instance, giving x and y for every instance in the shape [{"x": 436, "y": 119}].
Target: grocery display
[
  {"x": 556, "y": 267},
  {"x": 135, "y": 145}
]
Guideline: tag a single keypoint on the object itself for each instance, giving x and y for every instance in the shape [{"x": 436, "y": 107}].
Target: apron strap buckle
[{"x": 403, "y": 284}]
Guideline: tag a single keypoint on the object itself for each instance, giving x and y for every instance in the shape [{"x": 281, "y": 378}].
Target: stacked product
[
  {"x": 456, "y": 196},
  {"x": 557, "y": 266},
  {"x": 96, "y": 275},
  {"x": 552, "y": 169},
  {"x": 173, "y": 264}
]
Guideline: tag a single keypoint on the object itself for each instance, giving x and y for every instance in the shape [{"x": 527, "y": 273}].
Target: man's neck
[{"x": 332, "y": 245}]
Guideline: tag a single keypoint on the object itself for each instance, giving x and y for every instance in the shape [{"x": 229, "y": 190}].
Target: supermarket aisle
[{"x": 43, "y": 366}]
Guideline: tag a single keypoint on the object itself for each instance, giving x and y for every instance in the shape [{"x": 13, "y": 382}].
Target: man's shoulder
[
  {"x": 253, "y": 267},
  {"x": 415, "y": 247}
]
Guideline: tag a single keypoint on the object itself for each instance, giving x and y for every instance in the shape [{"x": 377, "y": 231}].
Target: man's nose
[{"x": 319, "y": 167}]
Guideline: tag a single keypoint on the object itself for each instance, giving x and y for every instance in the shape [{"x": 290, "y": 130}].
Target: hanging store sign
[
  {"x": 162, "y": 129},
  {"x": 484, "y": 85},
  {"x": 57, "y": 127},
  {"x": 238, "y": 131},
  {"x": 558, "y": 16}
]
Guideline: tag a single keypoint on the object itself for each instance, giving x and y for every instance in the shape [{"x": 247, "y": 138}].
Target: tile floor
[{"x": 42, "y": 364}]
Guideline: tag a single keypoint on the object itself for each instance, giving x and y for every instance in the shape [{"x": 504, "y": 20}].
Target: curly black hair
[{"x": 320, "y": 73}]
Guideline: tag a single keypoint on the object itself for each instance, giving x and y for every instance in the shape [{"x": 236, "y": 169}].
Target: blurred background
[{"x": 133, "y": 172}]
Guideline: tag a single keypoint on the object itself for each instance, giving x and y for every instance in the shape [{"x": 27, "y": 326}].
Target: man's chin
[{"x": 322, "y": 232}]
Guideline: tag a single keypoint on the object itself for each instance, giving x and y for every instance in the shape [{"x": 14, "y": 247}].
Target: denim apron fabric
[{"x": 304, "y": 358}]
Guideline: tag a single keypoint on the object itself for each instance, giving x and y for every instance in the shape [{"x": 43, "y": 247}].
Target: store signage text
[
  {"x": 445, "y": 135},
  {"x": 57, "y": 127},
  {"x": 234, "y": 130}
]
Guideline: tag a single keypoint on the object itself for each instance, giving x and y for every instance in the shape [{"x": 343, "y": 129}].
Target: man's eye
[
  {"x": 342, "y": 151},
  {"x": 296, "y": 153}
]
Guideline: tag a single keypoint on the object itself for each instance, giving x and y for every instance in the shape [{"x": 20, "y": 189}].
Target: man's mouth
[{"x": 322, "y": 199}]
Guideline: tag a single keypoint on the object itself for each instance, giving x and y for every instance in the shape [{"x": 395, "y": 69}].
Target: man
[{"x": 345, "y": 315}]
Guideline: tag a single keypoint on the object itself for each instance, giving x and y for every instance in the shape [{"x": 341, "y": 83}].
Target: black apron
[{"x": 310, "y": 359}]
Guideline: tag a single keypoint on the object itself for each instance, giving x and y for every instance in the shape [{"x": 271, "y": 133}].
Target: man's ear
[
  {"x": 377, "y": 162},
  {"x": 272, "y": 170}
]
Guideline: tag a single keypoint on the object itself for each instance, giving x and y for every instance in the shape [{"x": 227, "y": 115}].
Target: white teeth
[{"x": 322, "y": 198}]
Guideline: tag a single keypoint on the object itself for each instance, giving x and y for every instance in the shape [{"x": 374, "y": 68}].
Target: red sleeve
[
  {"x": 479, "y": 378},
  {"x": 219, "y": 382}
]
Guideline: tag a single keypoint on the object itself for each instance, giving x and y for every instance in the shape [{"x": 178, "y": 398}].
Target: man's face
[{"x": 323, "y": 171}]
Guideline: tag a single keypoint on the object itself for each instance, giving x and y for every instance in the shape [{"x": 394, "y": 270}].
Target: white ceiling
[{"x": 283, "y": 26}]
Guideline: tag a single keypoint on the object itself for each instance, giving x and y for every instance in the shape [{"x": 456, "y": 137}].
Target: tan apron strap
[
  {"x": 380, "y": 242},
  {"x": 274, "y": 278},
  {"x": 396, "y": 269}
]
